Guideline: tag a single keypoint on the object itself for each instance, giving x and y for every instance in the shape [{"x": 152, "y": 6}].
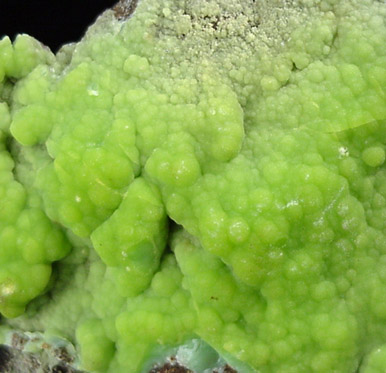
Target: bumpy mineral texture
[{"x": 204, "y": 180}]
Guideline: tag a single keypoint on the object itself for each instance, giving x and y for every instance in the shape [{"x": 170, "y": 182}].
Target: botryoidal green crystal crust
[{"x": 202, "y": 179}]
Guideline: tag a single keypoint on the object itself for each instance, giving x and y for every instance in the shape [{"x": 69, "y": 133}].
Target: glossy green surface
[{"x": 218, "y": 169}]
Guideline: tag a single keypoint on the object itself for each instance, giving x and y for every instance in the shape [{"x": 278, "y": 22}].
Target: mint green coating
[{"x": 218, "y": 169}]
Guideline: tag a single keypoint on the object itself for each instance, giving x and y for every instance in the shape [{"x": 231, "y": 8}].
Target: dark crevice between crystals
[
  {"x": 228, "y": 369},
  {"x": 171, "y": 227},
  {"x": 61, "y": 369},
  {"x": 173, "y": 366},
  {"x": 170, "y": 368},
  {"x": 5, "y": 358},
  {"x": 13, "y": 149},
  {"x": 6, "y": 88}
]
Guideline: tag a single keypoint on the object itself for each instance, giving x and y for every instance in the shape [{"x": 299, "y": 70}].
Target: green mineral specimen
[{"x": 201, "y": 180}]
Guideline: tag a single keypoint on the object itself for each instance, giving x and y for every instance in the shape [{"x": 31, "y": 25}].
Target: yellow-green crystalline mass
[{"x": 208, "y": 170}]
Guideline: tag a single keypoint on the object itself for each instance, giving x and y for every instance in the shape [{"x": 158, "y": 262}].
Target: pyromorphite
[{"x": 217, "y": 169}]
